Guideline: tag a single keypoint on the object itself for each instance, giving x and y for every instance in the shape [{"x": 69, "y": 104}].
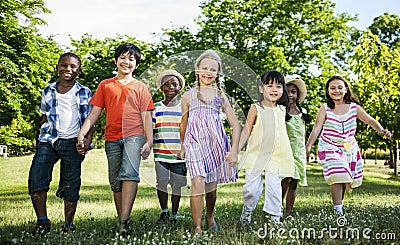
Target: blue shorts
[
  {"x": 123, "y": 158},
  {"x": 172, "y": 173},
  {"x": 46, "y": 156}
]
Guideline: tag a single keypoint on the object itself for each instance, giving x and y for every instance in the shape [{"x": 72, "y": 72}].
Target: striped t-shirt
[{"x": 166, "y": 142}]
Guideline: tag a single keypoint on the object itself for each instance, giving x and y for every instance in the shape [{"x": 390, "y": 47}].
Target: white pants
[{"x": 253, "y": 189}]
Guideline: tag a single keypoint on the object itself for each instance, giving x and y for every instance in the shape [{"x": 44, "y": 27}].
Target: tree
[
  {"x": 27, "y": 62},
  {"x": 287, "y": 35},
  {"x": 387, "y": 28},
  {"x": 378, "y": 69}
]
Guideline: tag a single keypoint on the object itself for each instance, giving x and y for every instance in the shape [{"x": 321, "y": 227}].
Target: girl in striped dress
[
  {"x": 206, "y": 148},
  {"x": 337, "y": 147}
]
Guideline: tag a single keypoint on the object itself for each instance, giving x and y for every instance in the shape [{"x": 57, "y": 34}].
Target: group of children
[{"x": 188, "y": 133}]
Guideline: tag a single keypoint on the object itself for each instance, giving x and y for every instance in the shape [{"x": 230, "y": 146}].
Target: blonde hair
[{"x": 210, "y": 54}]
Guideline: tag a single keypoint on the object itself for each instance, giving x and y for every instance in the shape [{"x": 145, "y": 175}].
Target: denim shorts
[
  {"x": 123, "y": 158},
  {"x": 46, "y": 156},
  {"x": 172, "y": 173}
]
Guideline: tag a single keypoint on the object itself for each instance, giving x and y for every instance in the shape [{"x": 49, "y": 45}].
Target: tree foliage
[
  {"x": 378, "y": 69},
  {"x": 287, "y": 35},
  {"x": 26, "y": 64},
  {"x": 387, "y": 28}
]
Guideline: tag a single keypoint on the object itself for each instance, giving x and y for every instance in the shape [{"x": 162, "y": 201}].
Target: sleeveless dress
[
  {"x": 268, "y": 147},
  {"x": 338, "y": 149},
  {"x": 296, "y": 131},
  {"x": 206, "y": 142}
]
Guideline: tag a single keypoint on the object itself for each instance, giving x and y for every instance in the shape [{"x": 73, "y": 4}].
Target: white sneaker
[{"x": 245, "y": 217}]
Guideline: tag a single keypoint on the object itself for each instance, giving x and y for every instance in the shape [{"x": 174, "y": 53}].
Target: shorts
[
  {"x": 46, "y": 156},
  {"x": 172, "y": 173},
  {"x": 123, "y": 158}
]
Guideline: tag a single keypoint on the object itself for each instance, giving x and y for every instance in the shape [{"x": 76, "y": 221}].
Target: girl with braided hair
[{"x": 206, "y": 149}]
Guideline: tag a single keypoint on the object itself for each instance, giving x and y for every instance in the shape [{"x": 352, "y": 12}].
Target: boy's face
[
  {"x": 126, "y": 63},
  {"x": 68, "y": 68},
  {"x": 171, "y": 88}
]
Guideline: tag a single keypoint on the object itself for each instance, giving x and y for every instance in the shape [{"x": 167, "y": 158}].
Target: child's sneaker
[
  {"x": 42, "y": 227},
  {"x": 245, "y": 218},
  {"x": 174, "y": 218},
  {"x": 163, "y": 220},
  {"x": 68, "y": 228},
  {"x": 125, "y": 228}
]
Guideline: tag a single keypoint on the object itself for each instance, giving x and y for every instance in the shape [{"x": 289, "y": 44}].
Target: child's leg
[
  {"x": 285, "y": 186},
  {"x": 291, "y": 196},
  {"x": 69, "y": 211},
  {"x": 273, "y": 195},
  {"x": 162, "y": 178},
  {"x": 337, "y": 192},
  {"x": 178, "y": 180},
  {"x": 197, "y": 201},
  {"x": 252, "y": 189},
  {"x": 211, "y": 198}
]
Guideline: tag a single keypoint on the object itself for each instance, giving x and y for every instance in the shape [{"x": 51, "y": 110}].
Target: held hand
[
  {"x": 386, "y": 133},
  {"x": 231, "y": 158},
  {"x": 145, "y": 151},
  {"x": 308, "y": 152},
  {"x": 80, "y": 145},
  {"x": 181, "y": 154}
]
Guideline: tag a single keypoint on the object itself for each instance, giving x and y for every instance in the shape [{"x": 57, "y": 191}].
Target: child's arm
[
  {"x": 148, "y": 131},
  {"x": 250, "y": 121},
  {"x": 87, "y": 126},
  {"x": 319, "y": 122},
  {"x": 367, "y": 119},
  {"x": 231, "y": 157},
  {"x": 185, "y": 103}
]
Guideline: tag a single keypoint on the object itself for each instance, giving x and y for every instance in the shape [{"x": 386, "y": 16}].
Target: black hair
[
  {"x": 69, "y": 54},
  {"x": 348, "y": 96},
  {"x": 128, "y": 48},
  {"x": 304, "y": 115},
  {"x": 270, "y": 77}
]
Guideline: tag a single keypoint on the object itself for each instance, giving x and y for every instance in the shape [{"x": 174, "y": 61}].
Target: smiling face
[
  {"x": 292, "y": 93},
  {"x": 207, "y": 70},
  {"x": 126, "y": 63},
  {"x": 171, "y": 88},
  {"x": 272, "y": 92},
  {"x": 336, "y": 90},
  {"x": 68, "y": 68}
]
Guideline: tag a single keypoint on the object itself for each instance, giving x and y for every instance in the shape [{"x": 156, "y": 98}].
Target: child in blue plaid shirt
[{"x": 65, "y": 106}]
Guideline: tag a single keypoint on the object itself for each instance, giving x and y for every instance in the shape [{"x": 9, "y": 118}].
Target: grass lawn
[{"x": 372, "y": 211}]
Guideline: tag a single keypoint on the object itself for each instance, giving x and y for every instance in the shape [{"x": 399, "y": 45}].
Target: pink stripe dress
[
  {"x": 338, "y": 149},
  {"x": 206, "y": 142}
]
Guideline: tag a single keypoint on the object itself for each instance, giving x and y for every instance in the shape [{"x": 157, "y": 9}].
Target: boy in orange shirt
[{"x": 128, "y": 132}]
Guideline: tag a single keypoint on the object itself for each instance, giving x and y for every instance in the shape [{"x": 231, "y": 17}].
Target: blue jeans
[
  {"x": 123, "y": 158},
  {"x": 46, "y": 156}
]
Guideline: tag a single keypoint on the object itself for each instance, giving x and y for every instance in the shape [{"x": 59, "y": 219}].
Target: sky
[{"x": 145, "y": 18}]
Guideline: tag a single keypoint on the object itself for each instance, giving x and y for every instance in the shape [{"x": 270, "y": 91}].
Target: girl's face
[
  {"x": 272, "y": 92},
  {"x": 337, "y": 89},
  {"x": 171, "y": 88},
  {"x": 292, "y": 93},
  {"x": 68, "y": 68},
  {"x": 207, "y": 70},
  {"x": 126, "y": 63}
]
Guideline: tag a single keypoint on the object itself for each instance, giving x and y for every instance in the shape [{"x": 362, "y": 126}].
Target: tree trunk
[{"x": 395, "y": 158}]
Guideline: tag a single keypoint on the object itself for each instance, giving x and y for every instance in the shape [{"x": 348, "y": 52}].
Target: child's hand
[
  {"x": 231, "y": 158},
  {"x": 145, "y": 151},
  {"x": 386, "y": 133},
  {"x": 80, "y": 146},
  {"x": 181, "y": 154}
]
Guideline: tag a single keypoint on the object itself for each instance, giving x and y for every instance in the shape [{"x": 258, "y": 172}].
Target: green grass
[{"x": 373, "y": 208}]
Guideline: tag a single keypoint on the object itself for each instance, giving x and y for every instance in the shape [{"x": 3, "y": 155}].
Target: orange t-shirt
[{"x": 123, "y": 105}]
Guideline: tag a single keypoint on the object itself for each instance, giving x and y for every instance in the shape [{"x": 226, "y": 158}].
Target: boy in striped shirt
[{"x": 166, "y": 144}]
